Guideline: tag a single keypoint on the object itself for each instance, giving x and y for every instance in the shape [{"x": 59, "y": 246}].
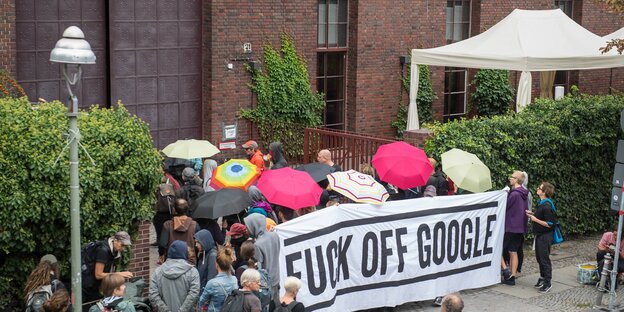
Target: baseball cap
[
  {"x": 250, "y": 143},
  {"x": 237, "y": 229},
  {"x": 50, "y": 258},
  {"x": 124, "y": 238},
  {"x": 188, "y": 173}
]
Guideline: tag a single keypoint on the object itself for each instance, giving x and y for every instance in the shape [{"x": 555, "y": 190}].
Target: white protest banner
[{"x": 360, "y": 256}]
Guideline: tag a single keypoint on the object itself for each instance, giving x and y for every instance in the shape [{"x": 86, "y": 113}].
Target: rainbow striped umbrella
[
  {"x": 358, "y": 187},
  {"x": 235, "y": 173}
]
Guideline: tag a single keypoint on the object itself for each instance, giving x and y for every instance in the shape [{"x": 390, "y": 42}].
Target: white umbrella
[{"x": 189, "y": 149}]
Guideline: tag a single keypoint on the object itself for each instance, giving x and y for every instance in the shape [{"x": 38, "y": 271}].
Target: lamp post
[{"x": 72, "y": 51}]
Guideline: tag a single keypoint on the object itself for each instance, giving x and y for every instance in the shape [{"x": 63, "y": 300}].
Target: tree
[{"x": 616, "y": 6}]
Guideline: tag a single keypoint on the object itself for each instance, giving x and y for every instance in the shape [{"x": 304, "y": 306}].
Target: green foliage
[
  {"x": 116, "y": 192},
  {"x": 570, "y": 143},
  {"x": 424, "y": 101},
  {"x": 286, "y": 102},
  {"x": 493, "y": 94}
]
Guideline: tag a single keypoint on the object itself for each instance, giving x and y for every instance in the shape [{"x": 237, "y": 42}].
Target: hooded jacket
[
  {"x": 179, "y": 228},
  {"x": 174, "y": 286},
  {"x": 277, "y": 155},
  {"x": 516, "y": 220},
  {"x": 206, "y": 260},
  {"x": 267, "y": 246}
]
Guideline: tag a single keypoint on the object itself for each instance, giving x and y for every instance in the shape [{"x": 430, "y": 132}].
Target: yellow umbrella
[
  {"x": 189, "y": 149},
  {"x": 466, "y": 170}
]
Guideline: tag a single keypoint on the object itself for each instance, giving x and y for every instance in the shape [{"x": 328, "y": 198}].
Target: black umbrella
[
  {"x": 220, "y": 203},
  {"x": 317, "y": 171},
  {"x": 177, "y": 162}
]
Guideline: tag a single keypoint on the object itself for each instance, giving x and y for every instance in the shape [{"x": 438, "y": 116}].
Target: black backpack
[
  {"x": 190, "y": 192},
  {"x": 87, "y": 263},
  {"x": 165, "y": 197},
  {"x": 288, "y": 308},
  {"x": 234, "y": 302}
]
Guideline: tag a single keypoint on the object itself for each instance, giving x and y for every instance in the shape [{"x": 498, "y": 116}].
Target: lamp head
[{"x": 72, "y": 48}]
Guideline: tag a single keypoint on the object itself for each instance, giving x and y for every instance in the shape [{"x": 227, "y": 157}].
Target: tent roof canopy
[
  {"x": 618, "y": 34},
  {"x": 526, "y": 40}
]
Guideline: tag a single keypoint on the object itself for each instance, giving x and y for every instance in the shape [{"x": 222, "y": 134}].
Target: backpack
[
  {"x": 35, "y": 301},
  {"x": 87, "y": 261},
  {"x": 234, "y": 302},
  {"x": 265, "y": 294},
  {"x": 556, "y": 226},
  {"x": 190, "y": 192},
  {"x": 288, "y": 308},
  {"x": 110, "y": 308},
  {"x": 165, "y": 197}
]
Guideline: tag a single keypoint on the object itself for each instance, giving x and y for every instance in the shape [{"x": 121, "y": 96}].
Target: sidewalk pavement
[{"x": 567, "y": 294}]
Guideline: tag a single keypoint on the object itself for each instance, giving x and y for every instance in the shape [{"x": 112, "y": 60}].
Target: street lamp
[{"x": 72, "y": 51}]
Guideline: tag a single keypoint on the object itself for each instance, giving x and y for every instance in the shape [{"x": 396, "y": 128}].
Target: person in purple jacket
[{"x": 516, "y": 223}]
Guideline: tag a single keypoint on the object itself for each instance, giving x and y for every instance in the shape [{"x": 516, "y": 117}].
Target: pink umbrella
[
  {"x": 402, "y": 165},
  {"x": 289, "y": 188}
]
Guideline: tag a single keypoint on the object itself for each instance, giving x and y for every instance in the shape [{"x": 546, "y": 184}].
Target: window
[
  {"x": 562, "y": 77},
  {"x": 330, "y": 80},
  {"x": 331, "y": 59},
  {"x": 332, "y": 23},
  {"x": 565, "y": 5},
  {"x": 455, "y": 79}
]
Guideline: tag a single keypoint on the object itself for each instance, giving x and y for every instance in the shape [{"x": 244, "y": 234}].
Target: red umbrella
[
  {"x": 289, "y": 188},
  {"x": 402, "y": 165}
]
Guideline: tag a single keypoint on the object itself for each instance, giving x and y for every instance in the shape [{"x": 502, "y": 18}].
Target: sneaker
[
  {"x": 511, "y": 281},
  {"x": 545, "y": 288},
  {"x": 506, "y": 274},
  {"x": 438, "y": 301},
  {"x": 539, "y": 284}
]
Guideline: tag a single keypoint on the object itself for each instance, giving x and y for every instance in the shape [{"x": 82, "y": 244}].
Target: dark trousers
[
  {"x": 158, "y": 221},
  {"x": 600, "y": 260},
  {"x": 542, "y": 255}
]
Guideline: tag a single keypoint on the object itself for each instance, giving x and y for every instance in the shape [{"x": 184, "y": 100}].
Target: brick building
[{"x": 179, "y": 64}]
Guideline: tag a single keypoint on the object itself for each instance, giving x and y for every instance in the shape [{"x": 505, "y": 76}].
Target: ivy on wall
[
  {"x": 424, "y": 101},
  {"x": 493, "y": 94}
]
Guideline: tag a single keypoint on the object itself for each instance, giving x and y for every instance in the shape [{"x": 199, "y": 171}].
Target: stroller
[{"x": 134, "y": 293}]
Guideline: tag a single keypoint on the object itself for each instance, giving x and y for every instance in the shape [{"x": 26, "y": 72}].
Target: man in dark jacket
[
  {"x": 437, "y": 179},
  {"x": 515, "y": 225},
  {"x": 206, "y": 257},
  {"x": 192, "y": 187},
  {"x": 174, "y": 286}
]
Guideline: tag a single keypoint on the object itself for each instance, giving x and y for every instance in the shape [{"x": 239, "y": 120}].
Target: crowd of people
[{"x": 232, "y": 262}]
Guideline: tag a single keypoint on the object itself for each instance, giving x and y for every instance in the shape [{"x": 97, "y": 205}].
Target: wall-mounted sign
[
  {"x": 227, "y": 145},
  {"x": 229, "y": 132}
]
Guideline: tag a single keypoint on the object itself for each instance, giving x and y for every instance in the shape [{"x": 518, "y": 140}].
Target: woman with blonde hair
[
  {"x": 220, "y": 286},
  {"x": 113, "y": 288},
  {"x": 289, "y": 299},
  {"x": 250, "y": 280}
]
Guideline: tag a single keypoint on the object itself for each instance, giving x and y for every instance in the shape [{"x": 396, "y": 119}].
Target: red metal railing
[{"x": 348, "y": 149}]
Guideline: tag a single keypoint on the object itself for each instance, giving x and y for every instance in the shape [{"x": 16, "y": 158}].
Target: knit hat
[
  {"x": 178, "y": 250},
  {"x": 430, "y": 191},
  {"x": 237, "y": 229}
]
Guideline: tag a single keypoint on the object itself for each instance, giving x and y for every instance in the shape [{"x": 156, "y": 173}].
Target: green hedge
[
  {"x": 116, "y": 192},
  {"x": 571, "y": 143}
]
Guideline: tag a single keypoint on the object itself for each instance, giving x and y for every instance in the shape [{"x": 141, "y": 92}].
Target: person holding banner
[
  {"x": 542, "y": 219},
  {"x": 516, "y": 225}
]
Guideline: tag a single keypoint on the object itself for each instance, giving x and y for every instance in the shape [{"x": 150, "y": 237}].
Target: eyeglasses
[
  {"x": 540, "y": 188},
  {"x": 512, "y": 177}
]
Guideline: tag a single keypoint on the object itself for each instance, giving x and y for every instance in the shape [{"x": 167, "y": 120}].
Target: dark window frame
[
  {"x": 451, "y": 73},
  {"x": 326, "y": 49}
]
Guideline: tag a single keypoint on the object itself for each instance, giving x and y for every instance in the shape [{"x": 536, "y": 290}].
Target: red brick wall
[
  {"x": 598, "y": 20},
  {"x": 232, "y": 23},
  {"x": 7, "y": 36},
  {"x": 140, "y": 261},
  {"x": 386, "y": 30}
]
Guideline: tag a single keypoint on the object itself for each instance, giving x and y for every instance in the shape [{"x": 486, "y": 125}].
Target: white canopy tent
[
  {"x": 525, "y": 40},
  {"x": 618, "y": 34}
]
